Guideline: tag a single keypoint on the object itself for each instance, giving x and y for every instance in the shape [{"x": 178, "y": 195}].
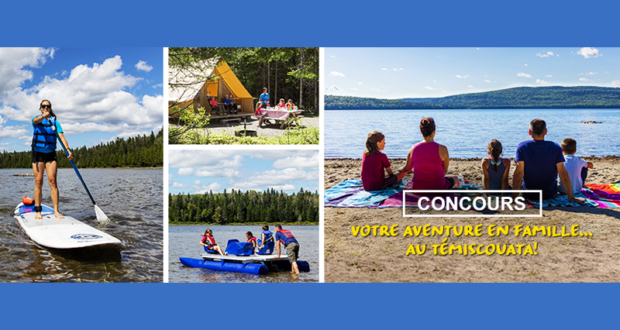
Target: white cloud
[
  {"x": 549, "y": 76},
  {"x": 525, "y": 64},
  {"x": 487, "y": 81},
  {"x": 542, "y": 82},
  {"x": 375, "y": 89},
  {"x": 591, "y": 73},
  {"x": 355, "y": 89},
  {"x": 300, "y": 162},
  {"x": 584, "y": 79},
  {"x": 434, "y": 81},
  {"x": 158, "y": 86},
  {"x": 336, "y": 74},
  {"x": 543, "y": 54},
  {"x": 185, "y": 171},
  {"x": 430, "y": 88},
  {"x": 521, "y": 74},
  {"x": 89, "y": 98},
  {"x": 142, "y": 66},
  {"x": 333, "y": 56},
  {"x": 614, "y": 83},
  {"x": 283, "y": 187},
  {"x": 384, "y": 69},
  {"x": 197, "y": 182},
  {"x": 334, "y": 87},
  {"x": 459, "y": 76},
  {"x": 477, "y": 48},
  {"x": 359, "y": 83},
  {"x": 215, "y": 186},
  {"x": 395, "y": 69},
  {"x": 274, "y": 177},
  {"x": 588, "y": 52},
  {"x": 179, "y": 185},
  {"x": 470, "y": 86}
]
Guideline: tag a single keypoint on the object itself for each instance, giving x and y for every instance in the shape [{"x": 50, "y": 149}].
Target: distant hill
[
  {"x": 333, "y": 102},
  {"x": 519, "y": 97}
]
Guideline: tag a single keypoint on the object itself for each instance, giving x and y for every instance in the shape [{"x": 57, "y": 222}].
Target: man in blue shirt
[
  {"x": 264, "y": 98},
  {"x": 538, "y": 164},
  {"x": 290, "y": 243}
]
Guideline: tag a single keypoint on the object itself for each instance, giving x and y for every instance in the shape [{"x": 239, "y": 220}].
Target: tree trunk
[
  {"x": 301, "y": 80},
  {"x": 275, "y": 94}
]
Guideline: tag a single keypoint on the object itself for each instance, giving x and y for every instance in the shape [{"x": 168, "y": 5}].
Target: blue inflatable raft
[{"x": 241, "y": 260}]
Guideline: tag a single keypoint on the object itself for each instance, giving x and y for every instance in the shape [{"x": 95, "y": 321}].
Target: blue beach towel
[{"x": 351, "y": 193}]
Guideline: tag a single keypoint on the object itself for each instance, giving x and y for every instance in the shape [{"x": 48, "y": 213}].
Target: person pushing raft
[
  {"x": 291, "y": 244},
  {"x": 46, "y": 129}
]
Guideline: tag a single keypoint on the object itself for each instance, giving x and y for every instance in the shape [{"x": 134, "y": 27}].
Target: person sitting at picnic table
[
  {"x": 228, "y": 103},
  {"x": 264, "y": 98},
  {"x": 429, "y": 161},
  {"x": 217, "y": 108},
  {"x": 538, "y": 164},
  {"x": 290, "y": 105},
  {"x": 281, "y": 105},
  {"x": 259, "y": 113}
]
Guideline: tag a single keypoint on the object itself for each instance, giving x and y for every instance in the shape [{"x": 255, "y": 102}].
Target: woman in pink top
[
  {"x": 375, "y": 164},
  {"x": 429, "y": 160}
]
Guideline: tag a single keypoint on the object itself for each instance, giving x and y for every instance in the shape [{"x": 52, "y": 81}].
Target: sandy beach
[{"x": 560, "y": 259}]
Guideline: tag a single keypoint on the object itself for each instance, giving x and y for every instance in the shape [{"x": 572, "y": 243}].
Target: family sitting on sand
[{"x": 538, "y": 163}]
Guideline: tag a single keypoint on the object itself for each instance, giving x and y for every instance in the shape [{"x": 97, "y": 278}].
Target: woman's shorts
[{"x": 43, "y": 157}]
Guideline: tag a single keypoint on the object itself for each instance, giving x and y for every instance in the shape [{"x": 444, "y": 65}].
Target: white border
[
  {"x": 166, "y": 163},
  {"x": 472, "y": 215},
  {"x": 321, "y": 166}
]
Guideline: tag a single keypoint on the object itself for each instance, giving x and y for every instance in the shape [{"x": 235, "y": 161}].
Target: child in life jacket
[
  {"x": 251, "y": 239},
  {"x": 375, "y": 164},
  {"x": 209, "y": 242},
  {"x": 266, "y": 236}
]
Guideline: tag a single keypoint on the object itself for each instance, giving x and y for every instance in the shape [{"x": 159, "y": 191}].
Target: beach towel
[
  {"x": 412, "y": 200},
  {"x": 351, "y": 193}
]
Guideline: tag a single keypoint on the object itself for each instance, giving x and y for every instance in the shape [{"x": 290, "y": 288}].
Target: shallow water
[
  {"x": 131, "y": 198},
  {"x": 184, "y": 242},
  {"x": 467, "y": 132}
]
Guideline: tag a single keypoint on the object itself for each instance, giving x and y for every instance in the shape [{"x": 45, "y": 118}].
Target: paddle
[{"x": 101, "y": 217}]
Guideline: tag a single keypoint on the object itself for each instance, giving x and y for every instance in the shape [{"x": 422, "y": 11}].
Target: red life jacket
[
  {"x": 287, "y": 234},
  {"x": 209, "y": 240}
]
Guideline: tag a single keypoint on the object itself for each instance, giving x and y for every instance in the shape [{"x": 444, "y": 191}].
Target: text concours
[{"x": 471, "y": 203}]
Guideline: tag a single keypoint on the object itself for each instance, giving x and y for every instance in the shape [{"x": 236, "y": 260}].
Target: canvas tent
[{"x": 189, "y": 86}]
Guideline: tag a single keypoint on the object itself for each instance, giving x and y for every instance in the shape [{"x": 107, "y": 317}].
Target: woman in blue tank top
[
  {"x": 495, "y": 170},
  {"x": 46, "y": 128}
]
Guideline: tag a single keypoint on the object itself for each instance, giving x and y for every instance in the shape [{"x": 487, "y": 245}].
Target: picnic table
[{"x": 280, "y": 116}]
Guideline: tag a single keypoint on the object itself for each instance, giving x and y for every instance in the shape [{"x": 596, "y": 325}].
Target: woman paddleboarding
[{"x": 44, "y": 155}]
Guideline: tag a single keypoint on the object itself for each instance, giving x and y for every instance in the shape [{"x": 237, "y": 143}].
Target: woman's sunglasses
[{"x": 44, "y": 106}]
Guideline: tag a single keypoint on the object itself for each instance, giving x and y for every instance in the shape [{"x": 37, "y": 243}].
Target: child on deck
[
  {"x": 251, "y": 239},
  {"x": 209, "y": 242},
  {"x": 266, "y": 236},
  {"x": 495, "y": 170},
  {"x": 576, "y": 167},
  {"x": 375, "y": 163}
]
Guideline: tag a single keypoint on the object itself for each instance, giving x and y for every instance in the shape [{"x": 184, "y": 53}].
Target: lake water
[
  {"x": 184, "y": 242},
  {"x": 131, "y": 198},
  {"x": 467, "y": 133}
]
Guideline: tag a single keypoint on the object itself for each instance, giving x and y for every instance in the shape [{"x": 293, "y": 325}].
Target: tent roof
[
  {"x": 231, "y": 80},
  {"x": 184, "y": 84}
]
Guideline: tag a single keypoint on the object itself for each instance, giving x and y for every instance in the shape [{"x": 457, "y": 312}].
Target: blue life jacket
[
  {"x": 44, "y": 136},
  {"x": 268, "y": 236}
]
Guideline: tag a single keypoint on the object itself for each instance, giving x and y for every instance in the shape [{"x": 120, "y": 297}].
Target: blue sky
[
  {"x": 199, "y": 171},
  {"x": 394, "y": 73},
  {"x": 98, "y": 94}
]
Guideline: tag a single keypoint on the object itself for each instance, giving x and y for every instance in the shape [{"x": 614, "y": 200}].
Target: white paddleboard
[{"x": 67, "y": 233}]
